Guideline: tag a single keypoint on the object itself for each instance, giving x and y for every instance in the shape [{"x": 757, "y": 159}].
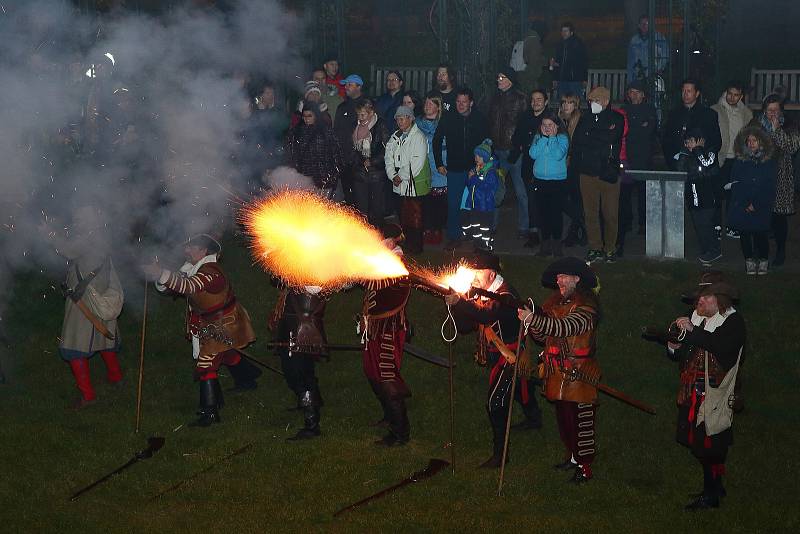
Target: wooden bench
[
  {"x": 763, "y": 82},
  {"x": 420, "y": 79},
  {"x": 615, "y": 80}
]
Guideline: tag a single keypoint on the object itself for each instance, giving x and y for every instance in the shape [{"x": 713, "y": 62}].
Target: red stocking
[
  {"x": 80, "y": 369},
  {"x": 112, "y": 365}
]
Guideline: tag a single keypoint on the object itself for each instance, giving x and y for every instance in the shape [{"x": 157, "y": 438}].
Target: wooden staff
[
  {"x": 510, "y": 406},
  {"x": 452, "y": 408},
  {"x": 141, "y": 363}
]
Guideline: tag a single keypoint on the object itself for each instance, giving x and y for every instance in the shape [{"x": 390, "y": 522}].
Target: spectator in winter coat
[
  {"x": 549, "y": 153},
  {"x": 434, "y": 206},
  {"x": 733, "y": 115},
  {"x": 700, "y": 165},
  {"x": 526, "y": 128},
  {"x": 570, "y": 66},
  {"x": 313, "y": 150},
  {"x": 369, "y": 169},
  {"x": 639, "y": 143},
  {"x": 596, "y": 147},
  {"x": 753, "y": 178},
  {"x": 461, "y": 131},
  {"x": 406, "y": 162},
  {"x": 388, "y": 102},
  {"x": 505, "y": 108},
  {"x": 478, "y": 199},
  {"x": 786, "y": 139}
]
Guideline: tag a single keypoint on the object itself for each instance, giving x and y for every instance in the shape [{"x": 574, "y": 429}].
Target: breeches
[
  {"x": 576, "y": 423},
  {"x": 207, "y": 365},
  {"x": 383, "y": 357}
]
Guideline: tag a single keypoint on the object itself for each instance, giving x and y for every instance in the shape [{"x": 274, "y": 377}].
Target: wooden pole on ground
[
  {"x": 141, "y": 362},
  {"x": 510, "y": 406}
]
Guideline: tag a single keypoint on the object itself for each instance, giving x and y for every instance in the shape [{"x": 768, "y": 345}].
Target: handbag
[{"x": 716, "y": 411}]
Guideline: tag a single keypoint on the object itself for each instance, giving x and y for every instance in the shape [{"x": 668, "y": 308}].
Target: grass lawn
[{"x": 642, "y": 477}]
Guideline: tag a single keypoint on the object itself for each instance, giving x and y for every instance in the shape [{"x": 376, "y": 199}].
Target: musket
[
  {"x": 425, "y": 356},
  {"x": 204, "y": 470},
  {"x": 154, "y": 444},
  {"x": 435, "y": 465},
  {"x": 296, "y": 347},
  {"x": 259, "y": 362},
  {"x": 510, "y": 408},
  {"x": 575, "y": 374}
]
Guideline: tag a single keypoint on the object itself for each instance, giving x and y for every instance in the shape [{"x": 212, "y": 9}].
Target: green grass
[{"x": 642, "y": 476}]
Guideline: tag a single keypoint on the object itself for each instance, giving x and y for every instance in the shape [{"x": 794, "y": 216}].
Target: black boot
[
  {"x": 394, "y": 394},
  {"x": 210, "y": 401},
  {"x": 710, "y": 496},
  {"x": 311, "y": 416},
  {"x": 244, "y": 375},
  {"x": 498, "y": 421},
  {"x": 383, "y": 422}
]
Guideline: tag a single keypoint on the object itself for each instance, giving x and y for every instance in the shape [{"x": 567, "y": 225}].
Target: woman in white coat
[{"x": 407, "y": 167}]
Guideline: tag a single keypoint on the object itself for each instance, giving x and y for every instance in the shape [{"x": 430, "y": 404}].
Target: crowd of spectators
[{"x": 442, "y": 163}]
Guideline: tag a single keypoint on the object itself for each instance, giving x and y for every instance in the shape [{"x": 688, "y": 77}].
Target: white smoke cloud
[{"x": 170, "y": 118}]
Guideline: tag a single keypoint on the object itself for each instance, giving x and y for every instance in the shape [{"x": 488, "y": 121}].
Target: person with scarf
[
  {"x": 434, "y": 205},
  {"x": 369, "y": 171},
  {"x": 217, "y": 323},
  {"x": 710, "y": 346},
  {"x": 786, "y": 138},
  {"x": 478, "y": 200}
]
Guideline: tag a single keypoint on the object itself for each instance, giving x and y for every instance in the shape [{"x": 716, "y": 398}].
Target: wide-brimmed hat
[
  {"x": 482, "y": 259},
  {"x": 706, "y": 279},
  {"x": 571, "y": 266},
  {"x": 205, "y": 241},
  {"x": 721, "y": 288}
]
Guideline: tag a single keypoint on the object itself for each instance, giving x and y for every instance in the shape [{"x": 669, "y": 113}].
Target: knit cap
[
  {"x": 484, "y": 150},
  {"x": 311, "y": 87}
]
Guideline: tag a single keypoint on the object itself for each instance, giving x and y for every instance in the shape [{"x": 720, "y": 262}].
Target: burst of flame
[
  {"x": 459, "y": 280},
  {"x": 310, "y": 241}
]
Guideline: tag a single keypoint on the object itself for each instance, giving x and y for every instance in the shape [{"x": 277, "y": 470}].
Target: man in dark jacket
[
  {"x": 596, "y": 146},
  {"x": 462, "y": 132},
  {"x": 388, "y": 102},
  {"x": 507, "y": 104},
  {"x": 570, "y": 64},
  {"x": 345, "y": 123},
  {"x": 689, "y": 115},
  {"x": 642, "y": 123}
]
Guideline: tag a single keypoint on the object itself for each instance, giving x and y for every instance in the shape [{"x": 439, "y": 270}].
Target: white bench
[
  {"x": 763, "y": 82},
  {"x": 420, "y": 79}
]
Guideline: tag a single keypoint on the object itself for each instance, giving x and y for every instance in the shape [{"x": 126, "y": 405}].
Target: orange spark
[
  {"x": 308, "y": 240},
  {"x": 459, "y": 280}
]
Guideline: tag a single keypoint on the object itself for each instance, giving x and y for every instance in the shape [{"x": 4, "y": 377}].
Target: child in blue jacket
[{"x": 478, "y": 201}]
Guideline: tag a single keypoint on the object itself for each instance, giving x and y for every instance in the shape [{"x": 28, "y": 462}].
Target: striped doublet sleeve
[
  {"x": 576, "y": 322},
  {"x": 202, "y": 281}
]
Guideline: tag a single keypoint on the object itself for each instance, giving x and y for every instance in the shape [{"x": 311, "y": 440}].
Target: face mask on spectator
[{"x": 596, "y": 108}]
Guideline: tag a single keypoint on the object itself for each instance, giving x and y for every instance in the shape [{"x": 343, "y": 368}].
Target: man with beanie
[
  {"x": 596, "y": 148},
  {"x": 461, "y": 132},
  {"x": 505, "y": 108},
  {"x": 478, "y": 205},
  {"x": 384, "y": 327},
  {"x": 217, "y": 325},
  {"x": 566, "y": 324}
]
